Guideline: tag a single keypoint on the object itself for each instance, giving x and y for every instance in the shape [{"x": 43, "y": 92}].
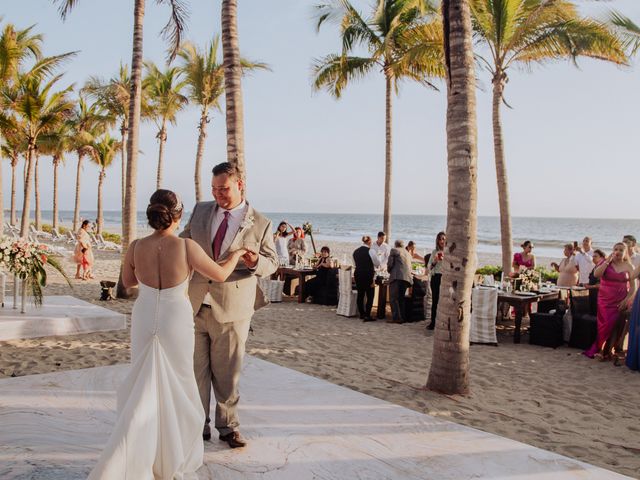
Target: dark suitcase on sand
[{"x": 546, "y": 330}]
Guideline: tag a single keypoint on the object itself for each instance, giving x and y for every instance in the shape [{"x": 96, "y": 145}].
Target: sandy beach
[{"x": 557, "y": 400}]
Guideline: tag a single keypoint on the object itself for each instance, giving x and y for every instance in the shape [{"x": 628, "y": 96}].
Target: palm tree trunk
[
  {"x": 14, "y": 167},
  {"x": 501, "y": 175},
  {"x": 388, "y": 155},
  {"x": 129, "y": 211},
  {"x": 123, "y": 156},
  {"x": 449, "y": 372},
  {"x": 56, "y": 163},
  {"x": 162, "y": 137},
  {"x": 100, "y": 215},
  {"x": 76, "y": 208},
  {"x": 26, "y": 203},
  {"x": 232, "y": 85},
  {"x": 36, "y": 186},
  {"x": 202, "y": 128},
  {"x": 1, "y": 199}
]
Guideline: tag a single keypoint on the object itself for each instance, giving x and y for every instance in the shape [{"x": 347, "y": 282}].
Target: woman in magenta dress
[
  {"x": 524, "y": 260},
  {"x": 614, "y": 295}
]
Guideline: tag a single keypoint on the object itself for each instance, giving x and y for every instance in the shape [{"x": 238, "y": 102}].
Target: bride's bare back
[{"x": 162, "y": 260}]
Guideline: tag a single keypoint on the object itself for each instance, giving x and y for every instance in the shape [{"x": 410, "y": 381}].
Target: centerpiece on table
[
  {"x": 307, "y": 228},
  {"x": 529, "y": 280},
  {"x": 27, "y": 261}
]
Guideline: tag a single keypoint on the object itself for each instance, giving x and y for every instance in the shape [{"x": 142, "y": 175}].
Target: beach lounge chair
[
  {"x": 347, "y": 306},
  {"x": 71, "y": 237},
  {"x": 106, "y": 245},
  {"x": 39, "y": 235},
  {"x": 56, "y": 236}
]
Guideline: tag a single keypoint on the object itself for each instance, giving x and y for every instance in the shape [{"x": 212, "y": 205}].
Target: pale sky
[{"x": 572, "y": 143}]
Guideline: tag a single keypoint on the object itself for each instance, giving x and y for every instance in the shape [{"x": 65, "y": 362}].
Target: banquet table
[
  {"x": 301, "y": 274},
  {"x": 520, "y": 303},
  {"x": 383, "y": 293}
]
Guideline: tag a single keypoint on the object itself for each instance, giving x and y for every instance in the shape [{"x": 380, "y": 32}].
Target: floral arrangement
[
  {"x": 307, "y": 228},
  {"x": 529, "y": 280},
  {"x": 27, "y": 261}
]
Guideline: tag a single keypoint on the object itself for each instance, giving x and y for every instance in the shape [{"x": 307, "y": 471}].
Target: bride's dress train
[{"x": 158, "y": 434}]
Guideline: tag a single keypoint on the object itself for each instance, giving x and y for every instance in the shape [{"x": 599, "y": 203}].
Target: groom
[{"x": 223, "y": 311}]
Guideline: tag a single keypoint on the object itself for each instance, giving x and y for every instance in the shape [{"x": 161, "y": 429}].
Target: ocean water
[{"x": 547, "y": 234}]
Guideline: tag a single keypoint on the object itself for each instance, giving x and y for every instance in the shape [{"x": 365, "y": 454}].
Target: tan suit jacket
[{"x": 239, "y": 296}]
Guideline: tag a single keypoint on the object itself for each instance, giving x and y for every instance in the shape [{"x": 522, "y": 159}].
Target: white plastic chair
[
  {"x": 347, "y": 296},
  {"x": 272, "y": 289}
]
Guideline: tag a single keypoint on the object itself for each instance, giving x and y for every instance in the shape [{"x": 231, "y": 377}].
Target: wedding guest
[
  {"x": 567, "y": 269},
  {"x": 400, "y": 279},
  {"x": 323, "y": 287},
  {"x": 633, "y": 349},
  {"x": 584, "y": 261},
  {"x": 296, "y": 245},
  {"x": 632, "y": 255},
  {"x": 614, "y": 295},
  {"x": 411, "y": 248},
  {"x": 364, "y": 259},
  {"x": 281, "y": 239},
  {"x": 83, "y": 252},
  {"x": 381, "y": 248},
  {"x": 435, "y": 269},
  {"x": 524, "y": 260}
]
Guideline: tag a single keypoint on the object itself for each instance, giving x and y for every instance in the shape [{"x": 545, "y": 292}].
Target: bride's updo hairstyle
[{"x": 164, "y": 209}]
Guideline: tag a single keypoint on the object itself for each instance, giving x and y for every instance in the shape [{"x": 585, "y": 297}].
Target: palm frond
[
  {"x": 627, "y": 30},
  {"x": 175, "y": 27},
  {"x": 334, "y": 72}
]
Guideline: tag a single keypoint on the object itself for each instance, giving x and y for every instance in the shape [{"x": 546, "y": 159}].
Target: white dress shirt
[
  {"x": 236, "y": 215},
  {"x": 373, "y": 255},
  {"x": 382, "y": 251},
  {"x": 584, "y": 260},
  {"x": 635, "y": 260}
]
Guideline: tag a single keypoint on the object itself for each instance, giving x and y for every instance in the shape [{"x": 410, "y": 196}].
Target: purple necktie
[{"x": 220, "y": 234}]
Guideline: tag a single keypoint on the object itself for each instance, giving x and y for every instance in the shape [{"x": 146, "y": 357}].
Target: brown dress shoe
[
  {"x": 206, "y": 432},
  {"x": 234, "y": 439}
]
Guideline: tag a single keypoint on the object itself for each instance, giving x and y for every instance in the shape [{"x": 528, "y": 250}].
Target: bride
[{"x": 158, "y": 433}]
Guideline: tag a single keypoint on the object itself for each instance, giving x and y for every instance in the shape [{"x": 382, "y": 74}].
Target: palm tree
[
  {"x": 205, "y": 79},
  {"x": 523, "y": 32},
  {"x": 114, "y": 96},
  {"x": 40, "y": 110},
  {"x": 89, "y": 121},
  {"x": 449, "y": 372},
  {"x": 57, "y": 144},
  {"x": 403, "y": 42},
  {"x": 173, "y": 32},
  {"x": 232, "y": 85},
  {"x": 165, "y": 101},
  {"x": 104, "y": 151},
  {"x": 12, "y": 148},
  {"x": 628, "y": 31},
  {"x": 15, "y": 47}
]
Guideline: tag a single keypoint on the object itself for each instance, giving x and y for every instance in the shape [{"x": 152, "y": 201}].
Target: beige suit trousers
[{"x": 217, "y": 360}]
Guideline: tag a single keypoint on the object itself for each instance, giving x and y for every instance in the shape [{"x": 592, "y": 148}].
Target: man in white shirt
[
  {"x": 584, "y": 260},
  {"x": 630, "y": 242},
  {"x": 381, "y": 249}
]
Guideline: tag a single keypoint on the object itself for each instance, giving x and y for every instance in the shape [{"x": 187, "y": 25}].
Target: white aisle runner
[{"x": 53, "y": 426}]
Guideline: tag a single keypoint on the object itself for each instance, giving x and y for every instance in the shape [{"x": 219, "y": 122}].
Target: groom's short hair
[{"x": 226, "y": 168}]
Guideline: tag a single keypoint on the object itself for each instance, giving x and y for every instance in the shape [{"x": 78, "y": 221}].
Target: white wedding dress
[{"x": 158, "y": 433}]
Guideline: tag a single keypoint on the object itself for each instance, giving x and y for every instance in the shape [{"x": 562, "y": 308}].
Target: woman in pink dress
[
  {"x": 616, "y": 291},
  {"x": 524, "y": 260}
]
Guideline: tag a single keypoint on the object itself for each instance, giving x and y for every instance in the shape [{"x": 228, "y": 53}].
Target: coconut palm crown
[
  {"x": 402, "y": 39},
  {"x": 522, "y": 33}
]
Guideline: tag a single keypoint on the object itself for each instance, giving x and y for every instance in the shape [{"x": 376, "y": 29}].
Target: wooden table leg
[
  {"x": 301, "y": 281},
  {"x": 519, "y": 309}
]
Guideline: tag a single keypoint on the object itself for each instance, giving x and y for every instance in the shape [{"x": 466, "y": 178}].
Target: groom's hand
[{"x": 250, "y": 259}]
